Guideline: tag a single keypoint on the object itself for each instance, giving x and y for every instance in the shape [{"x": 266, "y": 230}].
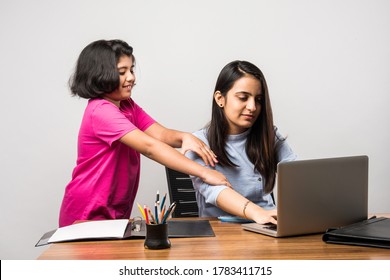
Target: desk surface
[{"x": 230, "y": 242}]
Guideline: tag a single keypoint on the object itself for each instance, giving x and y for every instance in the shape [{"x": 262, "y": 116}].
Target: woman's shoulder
[
  {"x": 279, "y": 136},
  {"x": 201, "y": 134}
]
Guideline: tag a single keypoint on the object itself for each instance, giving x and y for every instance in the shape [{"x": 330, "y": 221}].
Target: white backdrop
[{"x": 326, "y": 63}]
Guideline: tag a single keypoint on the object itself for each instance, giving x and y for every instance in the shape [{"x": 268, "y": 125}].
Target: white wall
[{"x": 326, "y": 62}]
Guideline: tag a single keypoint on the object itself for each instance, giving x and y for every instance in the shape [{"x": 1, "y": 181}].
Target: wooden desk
[{"x": 230, "y": 242}]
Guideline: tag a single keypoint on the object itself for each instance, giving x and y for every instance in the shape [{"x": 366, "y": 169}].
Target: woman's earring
[{"x": 221, "y": 105}]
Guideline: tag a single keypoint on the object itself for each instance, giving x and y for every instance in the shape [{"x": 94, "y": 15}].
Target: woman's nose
[{"x": 251, "y": 105}]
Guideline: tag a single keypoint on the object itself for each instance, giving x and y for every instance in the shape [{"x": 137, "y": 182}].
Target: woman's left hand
[{"x": 192, "y": 143}]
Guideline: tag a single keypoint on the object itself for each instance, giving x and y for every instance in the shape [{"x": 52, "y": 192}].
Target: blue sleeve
[
  {"x": 209, "y": 192},
  {"x": 283, "y": 150}
]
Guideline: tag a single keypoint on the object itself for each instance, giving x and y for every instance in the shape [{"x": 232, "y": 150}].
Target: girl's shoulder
[
  {"x": 94, "y": 103},
  {"x": 100, "y": 104},
  {"x": 97, "y": 105}
]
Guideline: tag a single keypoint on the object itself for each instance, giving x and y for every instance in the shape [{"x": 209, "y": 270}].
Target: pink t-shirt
[{"x": 105, "y": 180}]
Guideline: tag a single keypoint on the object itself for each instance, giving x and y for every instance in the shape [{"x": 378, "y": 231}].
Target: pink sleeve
[
  {"x": 143, "y": 119},
  {"x": 109, "y": 123}
]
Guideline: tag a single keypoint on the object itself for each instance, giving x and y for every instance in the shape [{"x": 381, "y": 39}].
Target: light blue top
[{"x": 244, "y": 179}]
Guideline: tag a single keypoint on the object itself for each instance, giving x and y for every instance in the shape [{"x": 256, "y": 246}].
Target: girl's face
[
  {"x": 242, "y": 104},
  {"x": 126, "y": 81}
]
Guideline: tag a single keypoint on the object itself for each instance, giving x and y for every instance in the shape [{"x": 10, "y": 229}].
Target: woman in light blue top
[{"x": 247, "y": 145}]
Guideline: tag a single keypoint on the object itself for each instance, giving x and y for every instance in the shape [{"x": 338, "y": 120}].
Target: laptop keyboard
[{"x": 271, "y": 227}]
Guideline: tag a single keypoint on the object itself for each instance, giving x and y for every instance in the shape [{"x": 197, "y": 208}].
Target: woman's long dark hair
[{"x": 260, "y": 146}]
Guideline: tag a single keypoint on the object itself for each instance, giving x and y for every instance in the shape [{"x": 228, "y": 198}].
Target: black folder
[{"x": 374, "y": 232}]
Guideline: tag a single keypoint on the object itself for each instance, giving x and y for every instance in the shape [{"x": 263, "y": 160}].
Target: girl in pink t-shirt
[{"x": 113, "y": 133}]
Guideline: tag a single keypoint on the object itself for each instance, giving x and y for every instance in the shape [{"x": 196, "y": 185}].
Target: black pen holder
[{"x": 157, "y": 237}]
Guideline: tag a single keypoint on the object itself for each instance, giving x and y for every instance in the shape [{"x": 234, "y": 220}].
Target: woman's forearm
[{"x": 234, "y": 203}]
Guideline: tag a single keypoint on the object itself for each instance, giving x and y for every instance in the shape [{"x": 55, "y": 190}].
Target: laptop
[{"x": 317, "y": 194}]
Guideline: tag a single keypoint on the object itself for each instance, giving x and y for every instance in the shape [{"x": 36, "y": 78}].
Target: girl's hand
[{"x": 192, "y": 143}]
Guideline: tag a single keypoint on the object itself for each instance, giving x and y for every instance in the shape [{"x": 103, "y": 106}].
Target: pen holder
[{"x": 157, "y": 236}]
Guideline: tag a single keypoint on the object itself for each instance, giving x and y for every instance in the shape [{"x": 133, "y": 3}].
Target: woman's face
[
  {"x": 242, "y": 104},
  {"x": 126, "y": 81}
]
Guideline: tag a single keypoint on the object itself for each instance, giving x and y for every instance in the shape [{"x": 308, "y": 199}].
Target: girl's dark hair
[
  {"x": 260, "y": 146},
  {"x": 96, "y": 70}
]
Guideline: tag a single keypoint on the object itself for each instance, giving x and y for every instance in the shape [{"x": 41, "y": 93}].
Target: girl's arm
[
  {"x": 185, "y": 141},
  {"x": 168, "y": 156},
  {"x": 234, "y": 203}
]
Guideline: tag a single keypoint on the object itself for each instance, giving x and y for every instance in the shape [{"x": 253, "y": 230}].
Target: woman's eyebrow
[{"x": 248, "y": 93}]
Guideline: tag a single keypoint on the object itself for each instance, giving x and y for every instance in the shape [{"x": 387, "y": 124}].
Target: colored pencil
[{"x": 142, "y": 211}]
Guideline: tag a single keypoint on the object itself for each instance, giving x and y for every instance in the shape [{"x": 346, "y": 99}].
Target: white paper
[{"x": 91, "y": 230}]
